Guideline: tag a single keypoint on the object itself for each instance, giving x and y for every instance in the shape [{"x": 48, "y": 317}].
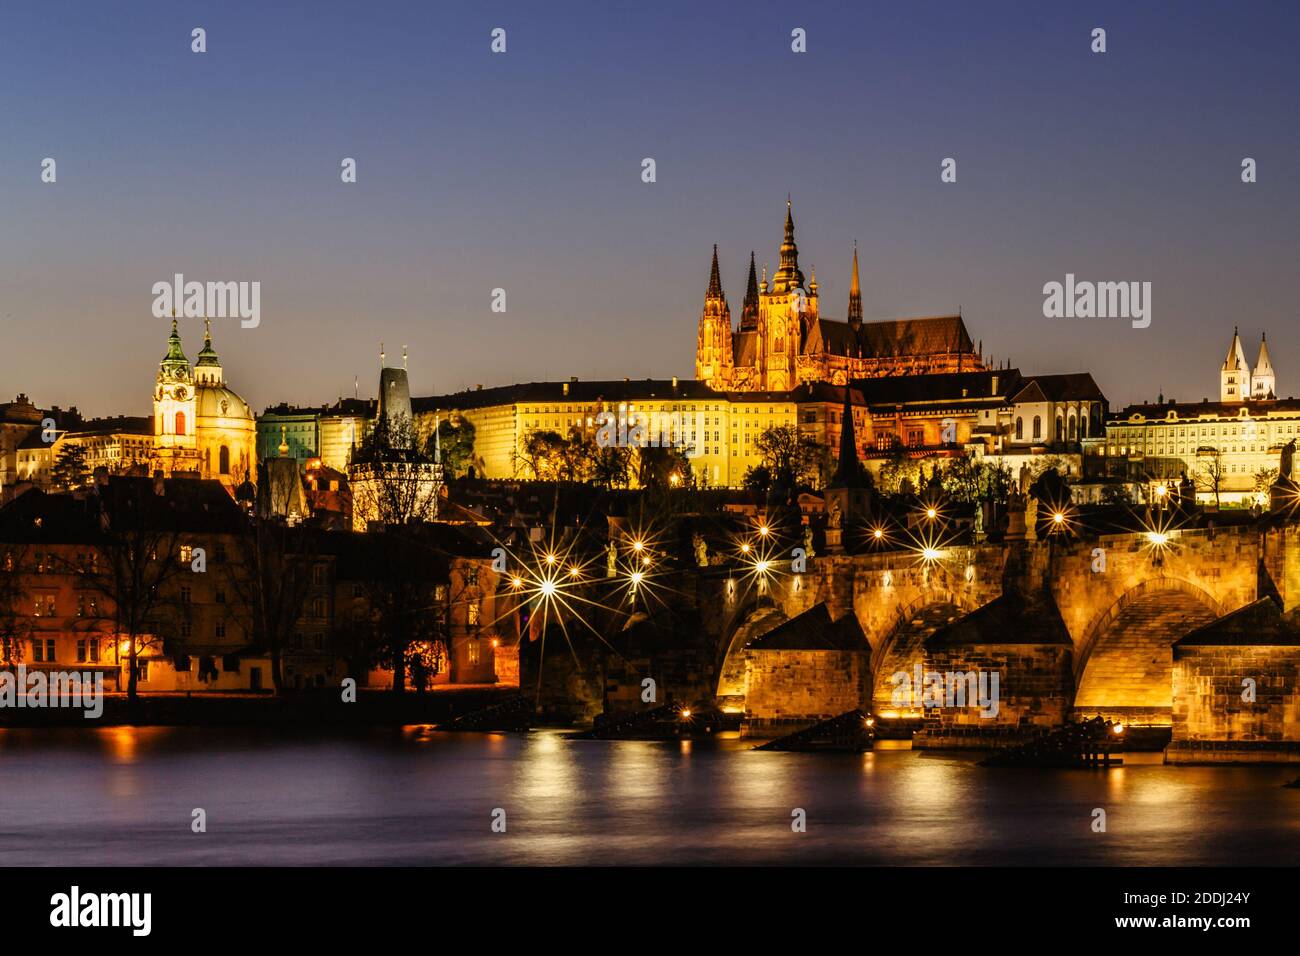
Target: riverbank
[{"x": 323, "y": 708}]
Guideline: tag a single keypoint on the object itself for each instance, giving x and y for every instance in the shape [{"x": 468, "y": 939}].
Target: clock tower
[{"x": 174, "y": 411}]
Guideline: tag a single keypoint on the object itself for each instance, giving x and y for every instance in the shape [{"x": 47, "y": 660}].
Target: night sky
[{"x": 523, "y": 171}]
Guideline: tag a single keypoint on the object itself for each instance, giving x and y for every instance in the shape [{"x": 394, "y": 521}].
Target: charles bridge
[{"x": 1188, "y": 630}]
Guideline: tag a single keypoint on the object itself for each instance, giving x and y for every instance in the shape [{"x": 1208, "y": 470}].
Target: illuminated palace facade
[{"x": 783, "y": 341}]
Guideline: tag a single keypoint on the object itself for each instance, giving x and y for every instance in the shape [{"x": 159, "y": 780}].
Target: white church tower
[
  {"x": 1263, "y": 384},
  {"x": 1234, "y": 377}
]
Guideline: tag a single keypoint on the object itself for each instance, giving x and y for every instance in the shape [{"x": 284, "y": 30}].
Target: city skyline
[{"x": 479, "y": 171}]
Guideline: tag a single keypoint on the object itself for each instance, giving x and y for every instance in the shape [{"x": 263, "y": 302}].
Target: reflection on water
[{"x": 123, "y": 795}]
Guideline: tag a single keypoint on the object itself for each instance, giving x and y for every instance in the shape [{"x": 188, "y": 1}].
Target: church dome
[{"x": 218, "y": 401}]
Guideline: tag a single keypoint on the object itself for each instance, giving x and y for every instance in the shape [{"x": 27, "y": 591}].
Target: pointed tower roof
[
  {"x": 848, "y": 474},
  {"x": 1236, "y": 354},
  {"x": 715, "y": 278},
  {"x": 855, "y": 292},
  {"x": 788, "y": 275},
  {"x": 749, "y": 310},
  {"x": 1263, "y": 366}
]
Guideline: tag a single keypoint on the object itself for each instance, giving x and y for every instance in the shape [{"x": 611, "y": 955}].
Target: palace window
[
  {"x": 180, "y": 423},
  {"x": 1038, "y": 427},
  {"x": 473, "y": 651},
  {"x": 223, "y": 460},
  {"x": 1020, "y": 429}
]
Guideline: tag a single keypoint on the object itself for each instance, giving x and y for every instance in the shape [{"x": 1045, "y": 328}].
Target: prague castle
[{"x": 783, "y": 341}]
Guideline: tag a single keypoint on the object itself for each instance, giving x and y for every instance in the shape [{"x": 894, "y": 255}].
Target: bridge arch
[
  {"x": 903, "y": 645},
  {"x": 1124, "y": 663},
  {"x": 755, "y": 616}
]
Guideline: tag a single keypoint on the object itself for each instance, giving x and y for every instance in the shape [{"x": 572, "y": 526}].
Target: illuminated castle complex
[{"x": 783, "y": 341}]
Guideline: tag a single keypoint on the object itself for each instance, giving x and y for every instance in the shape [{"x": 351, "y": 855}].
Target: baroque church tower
[{"x": 175, "y": 443}]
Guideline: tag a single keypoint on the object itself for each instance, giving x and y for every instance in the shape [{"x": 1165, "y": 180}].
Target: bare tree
[
  {"x": 271, "y": 577},
  {"x": 395, "y": 480},
  {"x": 137, "y": 558},
  {"x": 1209, "y": 473}
]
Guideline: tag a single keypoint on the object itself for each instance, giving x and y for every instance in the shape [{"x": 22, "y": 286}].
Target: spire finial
[
  {"x": 381, "y": 356},
  {"x": 207, "y": 331},
  {"x": 855, "y": 292},
  {"x": 715, "y": 277},
  {"x": 403, "y": 356}
]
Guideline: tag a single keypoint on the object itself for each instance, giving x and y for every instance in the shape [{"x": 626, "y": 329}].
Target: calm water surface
[{"x": 119, "y": 796}]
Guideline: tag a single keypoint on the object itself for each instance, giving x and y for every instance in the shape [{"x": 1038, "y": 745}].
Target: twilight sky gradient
[{"x": 523, "y": 171}]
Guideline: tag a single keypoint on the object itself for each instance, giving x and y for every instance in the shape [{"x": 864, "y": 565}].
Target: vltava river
[{"x": 414, "y": 797}]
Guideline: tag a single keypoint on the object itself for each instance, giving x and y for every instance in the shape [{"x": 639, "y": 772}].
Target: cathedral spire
[
  {"x": 715, "y": 278},
  {"x": 855, "y": 292},
  {"x": 788, "y": 275},
  {"x": 749, "y": 311}
]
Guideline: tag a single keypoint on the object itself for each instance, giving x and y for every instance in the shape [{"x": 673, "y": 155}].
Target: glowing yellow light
[
  {"x": 674, "y": 479},
  {"x": 638, "y": 545},
  {"x": 646, "y": 560},
  {"x": 636, "y": 577},
  {"x": 1158, "y": 538},
  {"x": 686, "y": 713},
  {"x": 574, "y": 572},
  {"x": 889, "y": 714},
  {"x": 516, "y": 582},
  {"x": 871, "y": 721},
  {"x": 745, "y": 547},
  {"x": 762, "y": 566},
  {"x": 1117, "y": 729},
  {"x": 764, "y": 530},
  {"x": 878, "y": 533},
  {"x": 1161, "y": 491},
  {"x": 1058, "y": 518},
  {"x": 931, "y": 554},
  {"x": 548, "y": 588},
  {"x": 931, "y": 512},
  {"x": 550, "y": 559},
  {"x": 495, "y": 642}
]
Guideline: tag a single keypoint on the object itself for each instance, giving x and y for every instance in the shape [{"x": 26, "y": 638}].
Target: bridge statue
[
  {"x": 701, "y": 550},
  {"x": 1288, "y": 459},
  {"x": 611, "y": 560}
]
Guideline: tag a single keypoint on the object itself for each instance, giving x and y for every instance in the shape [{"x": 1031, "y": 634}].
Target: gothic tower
[
  {"x": 786, "y": 308},
  {"x": 1263, "y": 384},
  {"x": 749, "y": 310},
  {"x": 1234, "y": 376},
  {"x": 713, "y": 354},
  {"x": 855, "y": 294}
]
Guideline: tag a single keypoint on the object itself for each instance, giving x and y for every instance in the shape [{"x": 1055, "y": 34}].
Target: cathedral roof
[
  {"x": 897, "y": 338},
  {"x": 744, "y": 349}
]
